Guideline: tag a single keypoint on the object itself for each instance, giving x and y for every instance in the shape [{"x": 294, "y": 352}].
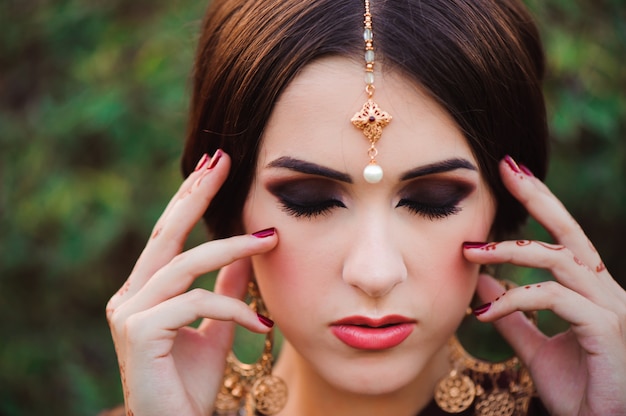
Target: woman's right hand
[{"x": 166, "y": 366}]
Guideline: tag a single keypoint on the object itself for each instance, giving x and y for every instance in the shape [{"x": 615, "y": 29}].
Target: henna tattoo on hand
[
  {"x": 185, "y": 194},
  {"x": 109, "y": 313},
  {"x": 490, "y": 247},
  {"x": 124, "y": 288},
  {"x": 555, "y": 247}
]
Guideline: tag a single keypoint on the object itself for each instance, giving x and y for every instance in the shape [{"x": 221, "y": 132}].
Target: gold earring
[
  {"x": 496, "y": 389},
  {"x": 474, "y": 380},
  {"x": 252, "y": 386}
]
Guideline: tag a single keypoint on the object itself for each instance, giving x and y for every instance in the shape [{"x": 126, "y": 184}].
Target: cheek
[
  {"x": 306, "y": 265},
  {"x": 443, "y": 278},
  {"x": 446, "y": 278},
  {"x": 294, "y": 278},
  {"x": 289, "y": 276}
]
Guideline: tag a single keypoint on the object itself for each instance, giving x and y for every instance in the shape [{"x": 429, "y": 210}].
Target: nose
[{"x": 374, "y": 264}]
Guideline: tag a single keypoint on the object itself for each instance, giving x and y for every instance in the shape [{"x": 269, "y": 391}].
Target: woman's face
[{"x": 368, "y": 281}]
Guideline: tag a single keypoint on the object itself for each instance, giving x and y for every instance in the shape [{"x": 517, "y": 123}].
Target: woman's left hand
[{"x": 581, "y": 371}]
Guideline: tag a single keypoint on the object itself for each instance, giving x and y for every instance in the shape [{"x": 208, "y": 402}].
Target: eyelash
[
  {"x": 431, "y": 212},
  {"x": 311, "y": 210}
]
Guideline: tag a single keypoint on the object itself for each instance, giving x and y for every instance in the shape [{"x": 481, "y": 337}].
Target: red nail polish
[
  {"x": 526, "y": 170},
  {"x": 216, "y": 158},
  {"x": 201, "y": 162},
  {"x": 481, "y": 309},
  {"x": 473, "y": 244},
  {"x": 509, "y": 161},
  {"x": 268, "y": 232},
  {"x": 265, "y": 320}
]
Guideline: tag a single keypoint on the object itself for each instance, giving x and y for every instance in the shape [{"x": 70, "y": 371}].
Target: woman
[{"x": 367, "y": 273}]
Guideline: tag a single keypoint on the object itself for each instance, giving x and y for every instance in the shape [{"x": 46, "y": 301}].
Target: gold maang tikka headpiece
[{"x": 371, "y": 119}]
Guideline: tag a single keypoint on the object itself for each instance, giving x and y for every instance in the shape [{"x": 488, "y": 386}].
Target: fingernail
[
  {"x": 265, "y": 320},
  {"x": 201, "y": 162},
  {"x": 473, "y": 244},
  {"x": 268, "y": 232},
  {"x": 481, "y": 309},
  {"x": 509, "y": 161},
  {"x": 526, "y": 170},
  {"x": 216, "y": 158}
]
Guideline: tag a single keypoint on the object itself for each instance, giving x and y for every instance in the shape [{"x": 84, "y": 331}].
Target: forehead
[{"x": 311, "y": 120}]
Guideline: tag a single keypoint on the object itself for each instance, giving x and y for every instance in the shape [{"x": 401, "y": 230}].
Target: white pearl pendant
[{"x": 373, "y": 173}]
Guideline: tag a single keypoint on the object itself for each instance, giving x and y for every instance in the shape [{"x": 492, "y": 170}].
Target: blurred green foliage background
[{"x": 93, "y": 99}]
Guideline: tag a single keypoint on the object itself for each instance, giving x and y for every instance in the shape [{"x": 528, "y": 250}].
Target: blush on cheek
[
  {"x": 452, "y": 281},
  {"x": 278, "y": 275}
]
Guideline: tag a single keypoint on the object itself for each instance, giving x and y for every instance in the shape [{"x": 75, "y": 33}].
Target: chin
[{"x": 378, "y": 374}]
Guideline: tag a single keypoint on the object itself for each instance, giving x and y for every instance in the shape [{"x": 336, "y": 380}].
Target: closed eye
[
  {"x": 431, "y": 212},
  {"x": 309, "y": 209},
  {"x": 434, "y": 198},
  {"x": 307, "y": 198}
]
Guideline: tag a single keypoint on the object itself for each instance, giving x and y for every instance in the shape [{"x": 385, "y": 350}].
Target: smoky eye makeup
[
  {"x": 434, "y": 198},
  {"x": 307, "y": 198}
]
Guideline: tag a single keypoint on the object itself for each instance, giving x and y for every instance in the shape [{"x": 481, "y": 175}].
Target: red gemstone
[{"x": 372, "y": 119}]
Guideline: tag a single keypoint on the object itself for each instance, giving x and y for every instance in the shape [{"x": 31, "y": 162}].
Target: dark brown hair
[{"x": 480, "y": 59}]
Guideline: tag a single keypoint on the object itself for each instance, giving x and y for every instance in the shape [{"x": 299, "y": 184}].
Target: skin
[{"x": 369, "y": 256}]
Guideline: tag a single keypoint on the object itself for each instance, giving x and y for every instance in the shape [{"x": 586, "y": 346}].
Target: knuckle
[
  {"x": 612, "y": 323},
  {"x": 562, "y": 257},
  {"x": 568, "y": 227},
  {"x": 179, "y": 261},
  {"x": 133, "y": 327},
  {"x": 109, "y": 310},
  {"x": 233, "y": 256},
  {"x": 197, "y": 295},
  {"x": 116, "y": 319},
  {"x": 168, "y": 234},
  {"x": 234, "y": 248},
  {"x": 551, "y": 288}
]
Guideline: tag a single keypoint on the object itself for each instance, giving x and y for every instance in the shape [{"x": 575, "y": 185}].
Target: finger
[
  {"x": 551, "y": 213},
  {"x": 233, "y": 278},
  {"x": 589, "y": 321},
  {"x": 171, "y": 231},
  {"x": 156, "y": 328},
  {"x": 523, "y": 336},
  {"x": 178, "y": 275},
  {"x": 149, "y": 346},
  {"x": 565, "y": 267},
  {"x": 200, "y": 169},
  {"x": 232, "y": 281},
  {"x": 116, "y": 299},
  {"x": 191, "y": 203}
]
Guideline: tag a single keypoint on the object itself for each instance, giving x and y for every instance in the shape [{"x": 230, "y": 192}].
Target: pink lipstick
[{"x": 365, "y": 333}]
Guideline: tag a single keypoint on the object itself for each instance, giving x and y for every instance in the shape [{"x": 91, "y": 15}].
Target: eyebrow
[
  {"x": 309, "y": 168},
  {"x": 439, "y": 167},
  {"x": 302, "y": 166}
]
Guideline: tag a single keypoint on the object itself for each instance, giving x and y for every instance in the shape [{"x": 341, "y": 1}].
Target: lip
[{"x": 373, "y": 334}]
